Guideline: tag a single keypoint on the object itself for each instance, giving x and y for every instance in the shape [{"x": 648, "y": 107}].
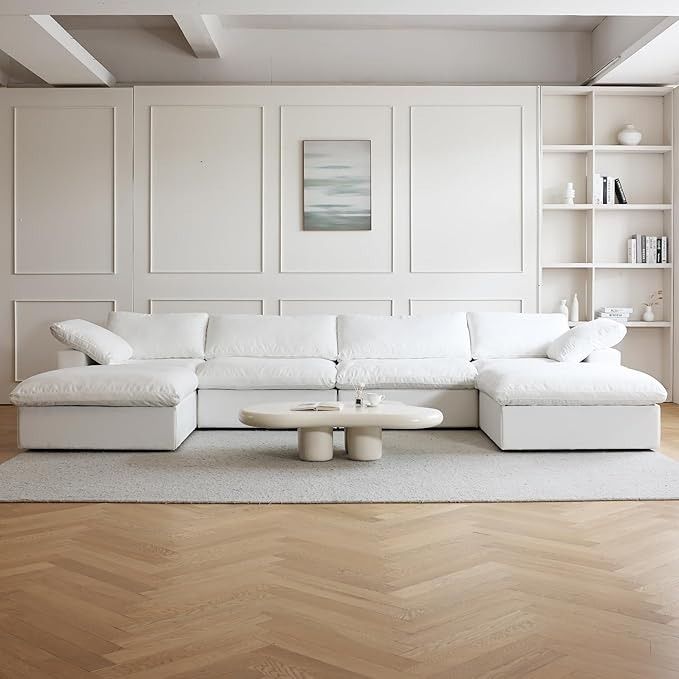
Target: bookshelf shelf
[
  {"x": 567, "y": 148},
  {"x": 635, "y": 324},
  {"x": 634, "y": 206},
  {"x": 567, "y": 265},
  {"x": 619, "y": 148},
  {"x": 564, "y": 206},
  {"x": 626, "y": 265},
  {"x": 583, "y": 247}
]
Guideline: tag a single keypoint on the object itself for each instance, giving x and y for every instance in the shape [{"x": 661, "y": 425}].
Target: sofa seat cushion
[
  {"x": 558, "y": 384},
  {"x": 267, "y": 373},
  {"x": 188, "y": 363},
  {"x": 406, "y": 373},
  {"x": 107, "y": 385}
]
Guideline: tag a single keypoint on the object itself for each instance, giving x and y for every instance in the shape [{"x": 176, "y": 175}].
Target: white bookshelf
[{"x": 583, "y": 247}]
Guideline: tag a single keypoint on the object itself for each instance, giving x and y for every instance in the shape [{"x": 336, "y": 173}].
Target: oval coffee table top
[{"x": 389, "y": 414}]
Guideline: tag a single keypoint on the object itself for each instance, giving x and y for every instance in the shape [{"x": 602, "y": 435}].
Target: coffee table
[{"x": 362, "y": 426}]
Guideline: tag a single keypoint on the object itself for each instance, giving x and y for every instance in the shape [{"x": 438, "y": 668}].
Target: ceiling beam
[
  {"x": 202, "y": 32},
  {"x": 346, "y": 7},
  {"x": 44, "y": 47},
  {"x": 616, "y": 39}
]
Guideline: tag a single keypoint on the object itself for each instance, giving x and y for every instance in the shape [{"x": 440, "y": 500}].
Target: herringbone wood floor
[{"x": 527, "y": 591}]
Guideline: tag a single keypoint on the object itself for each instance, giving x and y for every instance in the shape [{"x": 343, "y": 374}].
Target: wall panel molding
[
  {"x": 469, "y": 304},
  {"x": 258, "y": 304},
  {"x": 66, "y": 242},
  {"x": 152, "y": 191},
  {"x": 322, "y": 125},
  {"x": 338, "y": 302},
  {"x": 487, "y": 180}
]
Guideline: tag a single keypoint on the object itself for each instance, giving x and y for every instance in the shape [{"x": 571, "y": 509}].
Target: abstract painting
[{"x": 337, "y": 185}]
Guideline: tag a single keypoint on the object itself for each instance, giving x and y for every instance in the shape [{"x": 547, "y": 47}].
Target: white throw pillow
[
  {"x": 161, "y": 335},
  {"x": 579, "y": 342},
  {"x": 100, "y": 344}
]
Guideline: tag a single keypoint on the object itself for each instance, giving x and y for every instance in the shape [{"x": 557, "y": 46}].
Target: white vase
[
  {"x": 575, "y": 309},
  {"x": 563, "y": 308},
  {"x": 629, "y": 136},
  {"x": 648, "y": 314}
]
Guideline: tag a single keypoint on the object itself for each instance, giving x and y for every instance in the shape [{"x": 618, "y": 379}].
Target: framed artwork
[{"x": 336, "y": 185}]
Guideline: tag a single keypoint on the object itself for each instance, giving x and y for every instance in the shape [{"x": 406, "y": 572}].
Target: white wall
[
  {"x": 402, "y": 56},
  {"x": 215, "y": 198}
]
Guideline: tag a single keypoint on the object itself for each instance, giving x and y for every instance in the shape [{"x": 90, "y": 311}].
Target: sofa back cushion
[
  {"x": 513, "y": 335},
  {"x": 435, "y": 336},
  {"x": 313, "y": 336},
  {"x": 161, "y": 335}
]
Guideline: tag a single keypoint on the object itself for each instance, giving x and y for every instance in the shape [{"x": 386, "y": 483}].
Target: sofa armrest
[
  {"x": 70, "y": 358},
  {"x": 605, "y": 356}
]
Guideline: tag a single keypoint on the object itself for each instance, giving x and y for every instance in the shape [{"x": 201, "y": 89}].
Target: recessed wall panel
[
  {"x": 336, "y": 251},
  {"x": 443, "y": 306},
  {"x": 64, "y": 190},
  {"x": 206, "y": 189},
  {"x": 466, "y": 188},
  {"x": 35, "y": 350},
  {"x": 210, "y": 306},
  {"x": 381, "y": 307}
]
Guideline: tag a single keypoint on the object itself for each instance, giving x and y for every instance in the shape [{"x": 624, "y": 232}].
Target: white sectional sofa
[{"x": 183, "y": 371}]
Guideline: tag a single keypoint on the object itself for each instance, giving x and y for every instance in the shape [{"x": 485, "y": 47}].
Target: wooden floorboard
[{"x": 499, "y": 591}]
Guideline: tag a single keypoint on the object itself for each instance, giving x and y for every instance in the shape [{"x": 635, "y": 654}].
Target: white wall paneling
[
  {"x": 205, "y": 180},
  {"x": 337, "y": 251},
  {"x": 211, "y": 306},
  {"x": 65, "y": 216},
  {"x": 35, "y": 350},
  {"x": 443, "y": 306},
  {"x": 378, "y": 307},
  {"x": 468, "y": 161},
  {"x": 65, "y": 155},
  {"x": 216, "y": 199}
]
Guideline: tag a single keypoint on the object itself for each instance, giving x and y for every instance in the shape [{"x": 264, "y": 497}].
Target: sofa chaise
[{"x": 167, "y": 374}]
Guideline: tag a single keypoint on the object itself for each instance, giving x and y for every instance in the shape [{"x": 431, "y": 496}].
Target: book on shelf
[
  {"x": 598, "y": 192},
  {"x": 619, "y": 314},
  {"x": 619, "y": 193},
  {"x": 607, "y": 190},
  {"x": 319, "y": 406},
  {"x": 647, "y": 249}
]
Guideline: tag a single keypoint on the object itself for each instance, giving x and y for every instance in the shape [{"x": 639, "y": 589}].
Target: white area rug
[{"x": 262, "y": 467}]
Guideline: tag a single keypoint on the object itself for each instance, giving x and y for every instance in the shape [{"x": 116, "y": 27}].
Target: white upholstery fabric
[
  {"x": 435, "y": 336},
  {"x": 100, "y": 344},
  {"x": 413, "y": 373},
  {"x": 579, "y": 342},
  {"x": 161, "y": 335},
  {"x": 267, "y": 373},
  {"x": 272, "y": 336},
  {"x": 188, "y": 363},
  {"x": 518, "y": 363},
  {"x": 607, "y": 356},
  {"x": 107, "y": 385},
  {"x": 88, "y": 427},
  {"x": 70, "y": 358},
  {"x": 556, "y": 384},
  {"x": 513, "y": 335}
]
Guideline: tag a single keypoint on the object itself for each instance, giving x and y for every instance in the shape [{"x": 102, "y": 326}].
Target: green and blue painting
[{"x": 337, "y": 185}]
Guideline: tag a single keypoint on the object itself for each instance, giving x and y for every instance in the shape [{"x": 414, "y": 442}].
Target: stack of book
[
  {"x": 647, "y": 250},
  {"x": 615, "y": 313},
  {"x": 607, "y": 190}
]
